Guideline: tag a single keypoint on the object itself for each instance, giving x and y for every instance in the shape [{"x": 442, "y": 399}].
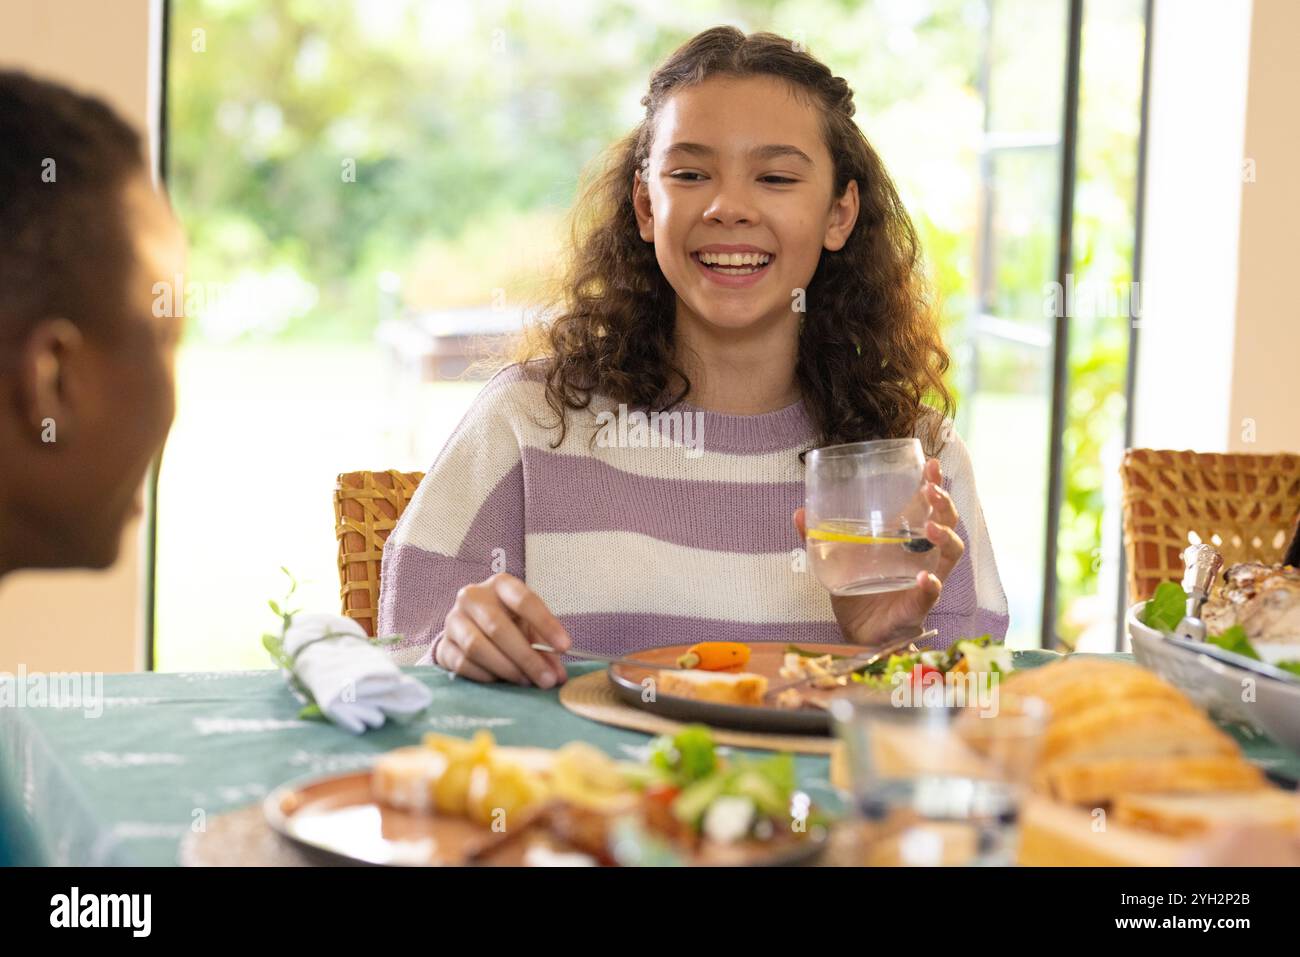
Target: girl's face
[{"x": 739, "y": 164}]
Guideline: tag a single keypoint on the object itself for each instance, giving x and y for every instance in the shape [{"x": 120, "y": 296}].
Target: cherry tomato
[
  {"x": 663, "y": 794},
  {"x": 920, "y": 675}
]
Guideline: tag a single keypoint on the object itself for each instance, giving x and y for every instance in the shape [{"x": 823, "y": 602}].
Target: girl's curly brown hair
[{"x": 870, "y": 352}]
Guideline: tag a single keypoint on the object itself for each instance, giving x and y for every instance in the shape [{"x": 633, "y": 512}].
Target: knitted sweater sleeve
[
  {"x": 973, "y": 602},
  {"x": 464, "y": 523}
]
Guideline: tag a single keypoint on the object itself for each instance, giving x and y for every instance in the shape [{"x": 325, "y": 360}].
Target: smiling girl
[{"x": 744, "y": 285}]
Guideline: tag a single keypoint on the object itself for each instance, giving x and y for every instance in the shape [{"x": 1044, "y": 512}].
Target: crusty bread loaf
[
  {"x": 1133, "y": 728},
  {"x": 1115, "y": 729},
  {"x": 1182, "y": 815},
  {"x": 1073, "y": 685},
  {"x": 1073, "y": 668},
  {"x": 741, "y": 688},
  {"x": 1096, "y": 781}
]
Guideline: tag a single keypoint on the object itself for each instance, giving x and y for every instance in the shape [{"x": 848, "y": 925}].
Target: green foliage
[{"x": 274, "y": 645}]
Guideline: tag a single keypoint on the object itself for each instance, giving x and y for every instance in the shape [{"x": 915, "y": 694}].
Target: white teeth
[{"x": 735, "y": 259}]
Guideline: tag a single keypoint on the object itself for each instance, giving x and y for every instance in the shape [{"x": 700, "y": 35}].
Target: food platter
[
  {"x": 342, "y": 819},
  {"x": 780, "y": 688}
]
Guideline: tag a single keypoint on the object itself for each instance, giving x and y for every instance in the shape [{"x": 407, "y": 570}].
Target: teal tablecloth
[{"x": 169, "y": 751}]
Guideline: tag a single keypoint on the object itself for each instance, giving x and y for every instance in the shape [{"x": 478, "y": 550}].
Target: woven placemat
[
  {"x": 240, "y": 839},
  {"x": 592, "y": 697}
]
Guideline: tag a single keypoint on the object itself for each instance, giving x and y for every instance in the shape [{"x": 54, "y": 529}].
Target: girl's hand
[
  {"x": 489, "y": 629},
  {"x": 874, "y": 619}
]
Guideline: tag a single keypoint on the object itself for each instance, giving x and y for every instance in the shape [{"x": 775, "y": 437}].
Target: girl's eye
[{"x": 777, "y": 180}]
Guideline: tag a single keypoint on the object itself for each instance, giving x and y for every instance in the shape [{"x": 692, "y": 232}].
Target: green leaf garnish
[
  {"x": 687, "y": 756},
  {"x": 1167, "y": 607},
  {"x": 1235, "y": 640}
]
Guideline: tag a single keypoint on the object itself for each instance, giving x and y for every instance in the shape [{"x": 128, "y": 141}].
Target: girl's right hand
[{"x": 489, "y": 629}]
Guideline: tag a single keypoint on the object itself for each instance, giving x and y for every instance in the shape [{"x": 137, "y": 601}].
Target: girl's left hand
[{"x": 875, "y": 619}]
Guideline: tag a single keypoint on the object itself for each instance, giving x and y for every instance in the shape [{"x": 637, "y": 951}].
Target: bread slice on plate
[
  {"x": 1074, "y": 671},
  {"x": 404, "y": 777},
  {"x": 1183, "y": 815},
  {"x": 1099, "y": 781},
  {"x": 741, "y": 688},
  {"x": 1134, "y": 727},
  {"x": 1078, "y": 686}
]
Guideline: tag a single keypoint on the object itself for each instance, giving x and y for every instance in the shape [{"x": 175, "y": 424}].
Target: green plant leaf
[
  {"x": 275, "y": 648},
  {"x": 1166, "y": 608},
  {"x": 1235, "y": 640}
]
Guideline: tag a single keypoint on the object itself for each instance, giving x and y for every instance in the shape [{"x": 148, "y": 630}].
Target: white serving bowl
[{"x": 1223, "y": 689}]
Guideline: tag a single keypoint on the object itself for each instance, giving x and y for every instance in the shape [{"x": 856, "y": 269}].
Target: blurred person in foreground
[{"x": 86, "y": 360}]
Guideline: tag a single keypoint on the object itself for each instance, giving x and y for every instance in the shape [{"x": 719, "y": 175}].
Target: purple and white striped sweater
[{"x": 686, "y": 537}]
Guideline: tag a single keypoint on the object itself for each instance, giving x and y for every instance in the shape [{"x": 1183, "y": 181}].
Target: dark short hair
[{"x": 64, "y": 250}]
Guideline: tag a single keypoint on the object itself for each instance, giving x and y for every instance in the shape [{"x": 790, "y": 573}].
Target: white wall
[
  {"x": 1265, "y": 411},
  {"x": 1196, "y": 135},
  {"x": 1220, "y": 333}
]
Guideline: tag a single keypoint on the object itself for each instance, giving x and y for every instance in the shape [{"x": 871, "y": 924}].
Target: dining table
[{"x": 162, "y": 755}]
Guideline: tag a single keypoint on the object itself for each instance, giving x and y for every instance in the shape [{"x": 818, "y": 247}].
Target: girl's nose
[{"x": 731, "y": 205}]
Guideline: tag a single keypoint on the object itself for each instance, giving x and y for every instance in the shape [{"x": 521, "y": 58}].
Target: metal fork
[
  {"x": 866, "y": 659},
  {"x": 593, "y": 656}
]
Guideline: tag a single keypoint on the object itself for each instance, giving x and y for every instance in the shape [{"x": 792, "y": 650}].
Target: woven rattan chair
[
  {"x": 367, "y": 506},
  {"x": 1243, "y": 505}
]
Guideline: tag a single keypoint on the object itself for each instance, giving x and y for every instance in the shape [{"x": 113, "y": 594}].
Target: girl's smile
[{"x": 736, "y": 266}]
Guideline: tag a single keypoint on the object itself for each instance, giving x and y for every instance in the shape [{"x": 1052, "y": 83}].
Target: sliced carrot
[{"x": 716, "y": 656}]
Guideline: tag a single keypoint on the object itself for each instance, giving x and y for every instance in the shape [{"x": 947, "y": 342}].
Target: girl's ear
[
  {"x": 641, "y": 206},
  {"x": 843, "y": 216}
]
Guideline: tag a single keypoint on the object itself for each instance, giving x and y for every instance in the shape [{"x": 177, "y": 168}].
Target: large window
[{"x": 372, "y": 190}]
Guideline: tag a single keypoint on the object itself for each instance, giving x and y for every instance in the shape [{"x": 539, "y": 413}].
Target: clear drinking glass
[
  {"x": 938, "y": 776},
  {"x": 865, "y": 511}
]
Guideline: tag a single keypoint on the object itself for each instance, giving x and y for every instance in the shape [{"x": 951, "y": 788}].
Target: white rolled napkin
[{"x": 355, "y": 684}]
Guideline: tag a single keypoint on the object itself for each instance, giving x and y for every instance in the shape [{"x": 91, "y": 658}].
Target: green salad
[
  {"x": 982, "y": 654},
  {"x": 723, "y": 799}
]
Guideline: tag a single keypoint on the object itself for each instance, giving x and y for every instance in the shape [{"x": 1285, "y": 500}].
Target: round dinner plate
[
  {"x": 765, "y": 659},
  {"x": 336, "y": 820}
]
